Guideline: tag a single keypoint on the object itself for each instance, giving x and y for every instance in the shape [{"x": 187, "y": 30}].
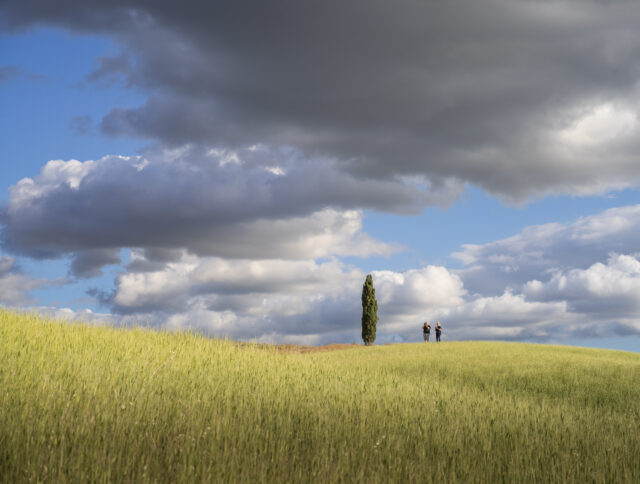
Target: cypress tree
[{"x": 369, "y": 311}]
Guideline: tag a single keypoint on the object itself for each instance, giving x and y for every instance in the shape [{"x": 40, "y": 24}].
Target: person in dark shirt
[
  {"x": 438, "y": 331},
  {"x": 426, "y": 331}
]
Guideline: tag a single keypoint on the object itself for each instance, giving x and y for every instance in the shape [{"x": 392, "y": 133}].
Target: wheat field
[{"x": 83, "y": 403}]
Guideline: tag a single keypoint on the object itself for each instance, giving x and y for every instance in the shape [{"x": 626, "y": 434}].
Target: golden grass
[{"x": 83, "y": 403}]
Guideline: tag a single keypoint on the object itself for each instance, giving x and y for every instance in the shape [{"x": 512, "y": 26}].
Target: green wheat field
[{"x": 82, "y": 403}]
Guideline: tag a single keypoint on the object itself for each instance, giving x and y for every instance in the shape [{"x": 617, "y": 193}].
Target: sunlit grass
[{"x": 85, "y": 403}]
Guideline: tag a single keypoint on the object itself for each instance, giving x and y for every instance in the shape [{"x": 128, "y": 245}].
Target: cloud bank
[
  {"x": 543, "y": 296},
  {"x": 271, "y": 130},
  {"x": 217, "y": 207},
  {"x": 520, "y": 98}
]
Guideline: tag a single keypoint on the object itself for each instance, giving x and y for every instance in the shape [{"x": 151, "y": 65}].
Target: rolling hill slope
[{"x": 88, "y": 403}]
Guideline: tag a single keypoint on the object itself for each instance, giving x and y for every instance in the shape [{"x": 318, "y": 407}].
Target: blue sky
[
  {"x": 48, "y": 94},
  {"x": 223, "y": 196}
]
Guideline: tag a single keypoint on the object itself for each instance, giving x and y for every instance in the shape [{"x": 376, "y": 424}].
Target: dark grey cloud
[
  {"x": 89, "y": 263},
  {"x": 499, "y": 93},
  {"x": 218, "y": 204},
  {"x": 278, "y": 113},
  {"x": 272, "y": 124}
]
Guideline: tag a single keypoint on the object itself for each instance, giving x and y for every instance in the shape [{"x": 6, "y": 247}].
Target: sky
[{"x": 238, "y": 167}]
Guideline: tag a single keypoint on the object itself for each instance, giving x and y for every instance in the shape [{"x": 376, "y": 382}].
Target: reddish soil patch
[
  {"x": 313, "y": 349},
  {"x": 290, "y": 348}
]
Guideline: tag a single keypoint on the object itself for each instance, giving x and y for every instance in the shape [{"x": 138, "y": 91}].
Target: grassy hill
[{"x": 85, "y": 403}]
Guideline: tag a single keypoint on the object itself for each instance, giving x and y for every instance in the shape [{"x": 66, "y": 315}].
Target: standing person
[
  {"x": 438, "y": 332},
  {"x": 426, "y": 331}
]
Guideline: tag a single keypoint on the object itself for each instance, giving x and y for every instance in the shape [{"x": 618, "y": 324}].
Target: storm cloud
[
  {"x": 520, "y": 98},
  {"x": 219, "y": 206},
  {"x": 272, "y": 128}
]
